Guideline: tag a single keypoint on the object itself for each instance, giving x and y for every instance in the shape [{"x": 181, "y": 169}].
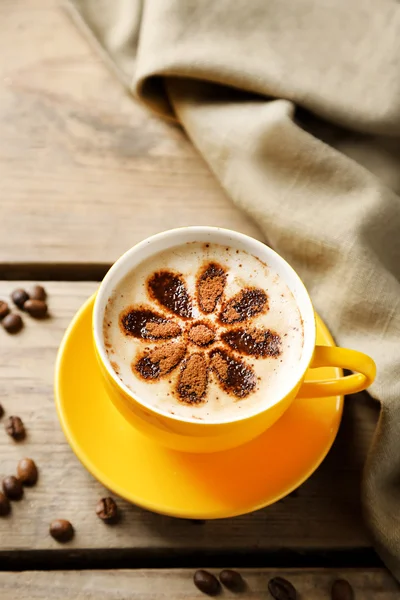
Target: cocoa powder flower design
[{"x": 203, "y": 347}]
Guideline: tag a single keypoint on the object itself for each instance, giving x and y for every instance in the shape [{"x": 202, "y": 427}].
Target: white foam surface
[{"x": 243, "y": 271}]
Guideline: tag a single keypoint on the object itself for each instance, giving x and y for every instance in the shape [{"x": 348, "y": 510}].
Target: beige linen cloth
[{"x": 295, "y": 105}]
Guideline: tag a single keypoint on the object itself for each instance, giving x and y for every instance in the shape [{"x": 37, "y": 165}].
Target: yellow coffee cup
[{"x": 193, "y": 435}]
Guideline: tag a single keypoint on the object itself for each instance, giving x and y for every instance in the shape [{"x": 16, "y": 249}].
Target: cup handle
[{"x": 332, "y": 356}]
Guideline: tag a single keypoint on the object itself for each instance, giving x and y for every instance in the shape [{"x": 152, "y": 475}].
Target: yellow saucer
[{"x": 193, "y": 486}]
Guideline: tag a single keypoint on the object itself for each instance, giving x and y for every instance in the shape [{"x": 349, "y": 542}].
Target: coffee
[{"x": 203, "y": 331}]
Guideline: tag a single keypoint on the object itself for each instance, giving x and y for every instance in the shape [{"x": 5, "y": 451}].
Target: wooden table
[{"x": 84, "y": 174}]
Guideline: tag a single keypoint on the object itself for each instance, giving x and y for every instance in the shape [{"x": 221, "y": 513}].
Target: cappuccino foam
[{"x": 203, "y": 331}]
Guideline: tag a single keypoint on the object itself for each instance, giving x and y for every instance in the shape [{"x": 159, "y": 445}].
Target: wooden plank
[
  {"x": 85, "y": 172},
  {"x": 325, "y": 513},
  {"x": 157, "y": 584}
]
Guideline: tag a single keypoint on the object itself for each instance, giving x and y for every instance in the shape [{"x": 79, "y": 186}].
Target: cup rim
[{"x": 111, "y": 277}]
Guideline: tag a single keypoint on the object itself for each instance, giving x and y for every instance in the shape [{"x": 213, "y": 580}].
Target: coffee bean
[
  {"x": 4, "y": 309},
  {"x": 1, "y": 411},
  {"x": 107, "y": 510},
  {"x": 206, "y": 582},
  {"x": 15, "y": 428},
  {"x": 342, "y": 590},
  {"x": 232, "y": 580},
  {"x": 12, "y": 323},
  {"x": 38, "y": 293},
  {"x": 27, "y": 471},
  {"x": 282, "y": 589},
  {"x": 19, "y": 297},
  {"x": 5, "y": 506},
  {"x": 36, "y": 308},
  {"x": 61, "y": 530},
  {"x": 12, "y": 487}
]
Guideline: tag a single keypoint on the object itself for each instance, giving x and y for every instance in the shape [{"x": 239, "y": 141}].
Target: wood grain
[
  {"x": 178, "y": 584},
  {"x": 85, "y": 172},
  {"x": 324, "y": 514}
]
